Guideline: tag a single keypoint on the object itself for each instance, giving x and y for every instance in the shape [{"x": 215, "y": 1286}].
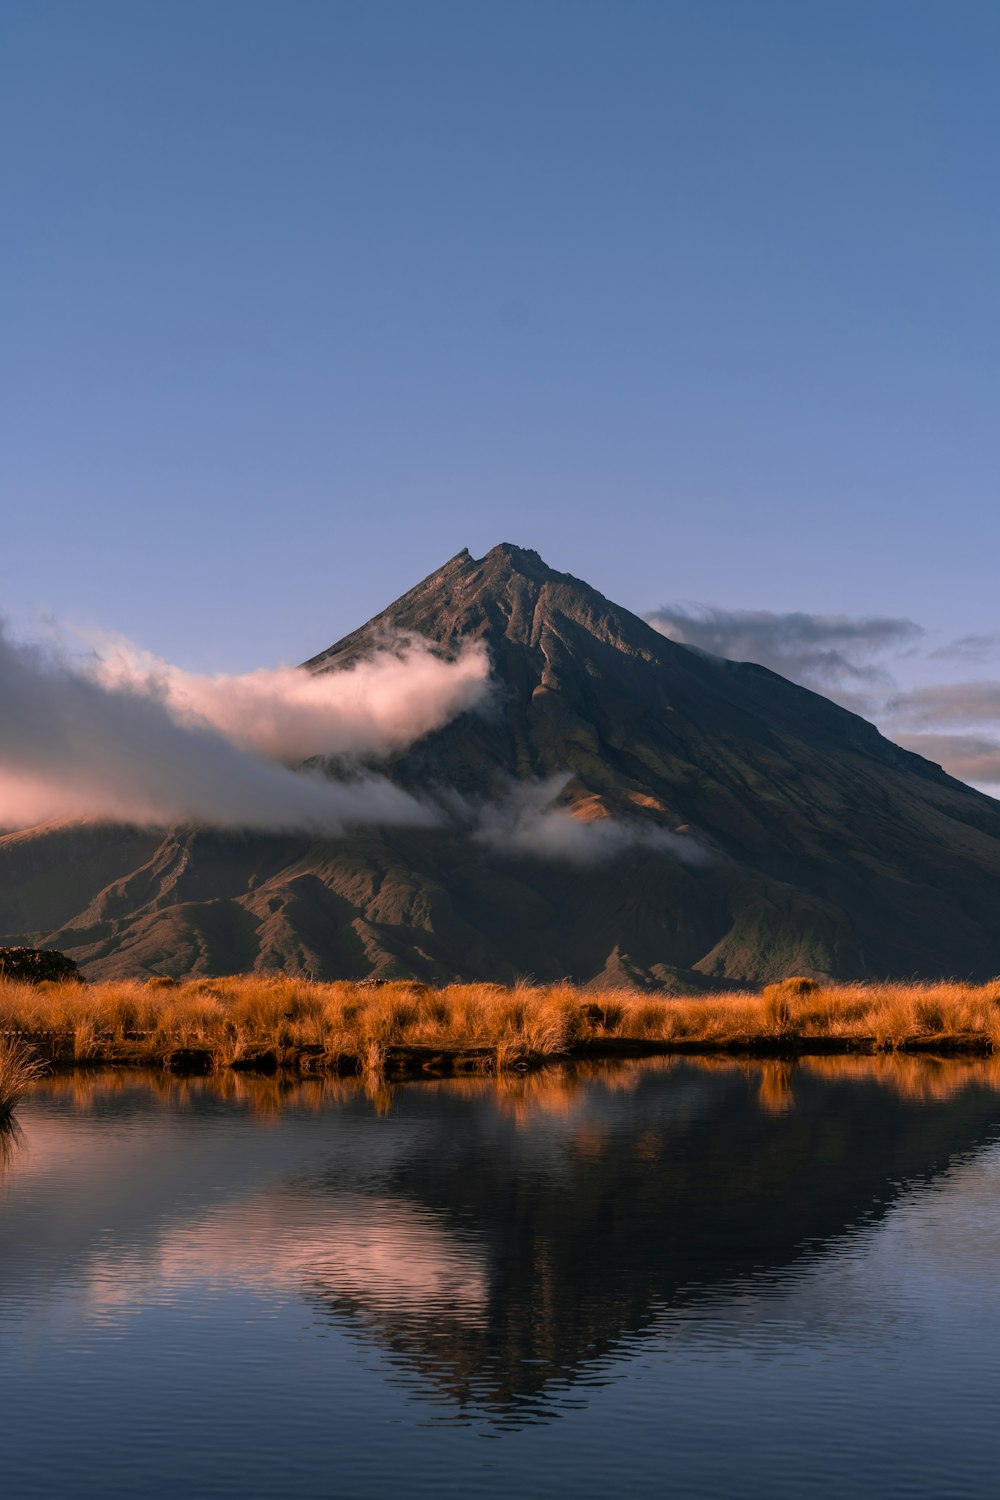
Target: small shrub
[
  {"x": 32, "y": 965},
  {"x": 796, "y": 985}
]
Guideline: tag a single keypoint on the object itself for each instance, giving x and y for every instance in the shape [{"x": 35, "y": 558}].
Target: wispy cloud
[
  {"x": 119, "y": 743},
  {"x": 535, "y": 819},
  {"x": 971, "y": 758},
  {"x": 851, "y": 660},
  {"x": 936, "y": 712},
  {"x": 947, "y": 703},
  {"x": 834, "y": 654},
  {"x": 974, "y": 648}
]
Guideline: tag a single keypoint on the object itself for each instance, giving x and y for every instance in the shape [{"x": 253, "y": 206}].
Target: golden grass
[
  {"x": 19, "y": 1067},
  {"x": 311, "y": 1024}
]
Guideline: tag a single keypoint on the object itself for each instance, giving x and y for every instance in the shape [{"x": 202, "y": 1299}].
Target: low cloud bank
[
  {"x": 118, "y": 743},
  {"x": 529, "y": 819},
  {"x": 288, "y": 714}
]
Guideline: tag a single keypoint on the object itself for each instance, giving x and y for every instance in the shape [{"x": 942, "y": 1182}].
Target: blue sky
[{"x": 698, "y": 299}]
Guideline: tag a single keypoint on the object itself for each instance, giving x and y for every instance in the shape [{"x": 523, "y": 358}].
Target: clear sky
[{"x": 700, "y": 299}]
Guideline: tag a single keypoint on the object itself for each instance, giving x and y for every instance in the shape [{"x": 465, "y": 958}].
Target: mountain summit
[
  {"x": 624, "y": 809},
  {"x": 576, "y": 670}
]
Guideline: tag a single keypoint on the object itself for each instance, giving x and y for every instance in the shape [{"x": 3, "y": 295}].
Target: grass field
[{"x": 270, "y": 1021}]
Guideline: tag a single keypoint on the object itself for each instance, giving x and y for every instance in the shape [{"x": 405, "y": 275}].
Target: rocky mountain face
[{"x": 713, "y": 822}]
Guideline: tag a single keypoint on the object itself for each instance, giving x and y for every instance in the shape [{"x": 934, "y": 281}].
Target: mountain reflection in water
[{"x": 499, "y": 1242}]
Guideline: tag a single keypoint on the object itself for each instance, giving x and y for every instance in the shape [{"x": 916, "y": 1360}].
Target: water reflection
[
  {"x": 500, "y": 1243},
  {"x": 11, "y": 1139}
]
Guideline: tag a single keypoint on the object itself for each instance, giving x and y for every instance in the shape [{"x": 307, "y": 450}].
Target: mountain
[{"x": 754, "y": 829}]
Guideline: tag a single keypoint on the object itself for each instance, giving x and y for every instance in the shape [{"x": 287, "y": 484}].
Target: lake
[{"x": 650, "y": 1278}]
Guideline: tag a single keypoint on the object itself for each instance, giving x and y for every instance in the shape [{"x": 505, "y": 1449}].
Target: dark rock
[
  {"x": 189, "y": 1060},
  {"x": 256, "y": 1060}
]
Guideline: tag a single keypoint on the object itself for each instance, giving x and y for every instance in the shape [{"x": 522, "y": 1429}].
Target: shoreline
[{"x": 411, "y": 1063}]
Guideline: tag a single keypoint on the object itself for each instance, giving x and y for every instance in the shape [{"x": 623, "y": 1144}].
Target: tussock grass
[
  {"x": 313, "y": 1025},
  {"x": 19, "y": 1067}
]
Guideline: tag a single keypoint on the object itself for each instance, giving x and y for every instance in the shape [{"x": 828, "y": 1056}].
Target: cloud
[
  {"x": 131, "y": 750},
  {"x": 947, "y": 703},
  {"x": 531, "y": 820},
  {"x": 832, "y": 654},
  {"x": 968, "y": 648},
  {"x": 969, "y": 757},
  {"x": 289, "y": 714},
  {"x": 935, "y": 712},
  {"x": 844, "y": 658}
]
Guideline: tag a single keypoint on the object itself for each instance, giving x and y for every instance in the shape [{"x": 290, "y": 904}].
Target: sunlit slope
[{"x": 819, "y": 846}]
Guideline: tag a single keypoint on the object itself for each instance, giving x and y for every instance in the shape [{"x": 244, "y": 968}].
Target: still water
[{"x": 645, "y": 1279}]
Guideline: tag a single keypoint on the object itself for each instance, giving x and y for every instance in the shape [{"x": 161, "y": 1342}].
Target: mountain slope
[{"x": 808, "y": 842}]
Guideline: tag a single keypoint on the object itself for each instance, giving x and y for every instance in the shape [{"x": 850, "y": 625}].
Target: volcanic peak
[
  {"x": 830, "y": 850},
  {"x": 510, "y": 595}
]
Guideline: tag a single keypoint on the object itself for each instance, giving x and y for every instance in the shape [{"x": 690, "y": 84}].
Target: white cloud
[
  {"x": 531, "y": 819},
  {"x": 287, "y": 713},
  {"x": 151, "y": 747}
]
